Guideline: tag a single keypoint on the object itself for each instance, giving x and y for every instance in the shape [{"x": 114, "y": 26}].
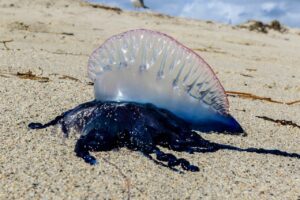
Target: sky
[{"x": 225, "y": 11}]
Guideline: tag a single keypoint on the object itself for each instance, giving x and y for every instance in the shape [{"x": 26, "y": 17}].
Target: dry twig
[
  {"x": 246, "y": 95},
  {"x": 278, "y": 121},
  {"x": 31, "y": 76}
]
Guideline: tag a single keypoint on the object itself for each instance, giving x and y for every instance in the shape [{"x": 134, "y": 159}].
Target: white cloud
[
  {"x": 213, "y": 10},
  {"x": 268, "y": 6}
]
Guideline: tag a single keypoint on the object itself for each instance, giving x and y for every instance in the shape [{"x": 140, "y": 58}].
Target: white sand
[{"x": 38, "y": 164}]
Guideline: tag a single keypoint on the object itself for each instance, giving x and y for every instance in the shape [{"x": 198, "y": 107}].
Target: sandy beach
[{"x": 44, "y": 48}]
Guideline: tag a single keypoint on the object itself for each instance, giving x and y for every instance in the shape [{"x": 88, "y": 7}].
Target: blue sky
[{"x": 226, "y": 11}]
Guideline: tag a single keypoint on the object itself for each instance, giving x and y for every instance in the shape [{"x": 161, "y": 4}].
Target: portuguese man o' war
[
  {"x": 150, "y": 91},
  {"x": 150, "y": 67}
]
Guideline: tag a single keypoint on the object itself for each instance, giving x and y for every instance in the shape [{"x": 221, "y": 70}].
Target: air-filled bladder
[{"x": 145, "y": 66}]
